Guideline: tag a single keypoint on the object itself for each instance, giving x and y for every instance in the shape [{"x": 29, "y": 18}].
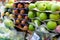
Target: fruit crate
[{"x": 44, "y": 13}]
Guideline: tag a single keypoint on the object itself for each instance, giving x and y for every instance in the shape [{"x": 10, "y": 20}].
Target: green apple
[
  {"x": 31, "y": 27},
  {"x": 54, "y": 7},
  {"x": 41, "y": 7},
  {"x": 51, "y": 25},
  {"x": 37, "y": 22},
  {"x": 11, "y": 1},
  {"x": 8, "y": 23},
  {"x": 43, "y": 16},
  {"x": 48, "y": 5},
  {"x": 59, "y": 8},
  {"x": 31, "y": 14},
  {"x": 37, "y": 3},
  {"x": 37, "y": 13},
  {"x": 31, "y": 6},
  {"x": 8, "y": 5},
  {"x": 54, "y": 16},
  {"x": 58, "y": 4}
]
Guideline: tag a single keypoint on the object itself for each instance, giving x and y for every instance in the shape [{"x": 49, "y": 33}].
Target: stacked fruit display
[
  {"x": 8, "y": 10},
  {"x": 9, "y": 4},
  {"x": 20, "y": 15},
  {"x": 46, "y": 12},
  {"x": 8, "y": 15}
]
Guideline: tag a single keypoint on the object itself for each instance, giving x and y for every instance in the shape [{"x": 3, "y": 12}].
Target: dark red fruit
[
  {"x": 22, "y": 11},
  {"x": 19, "y": 16}
]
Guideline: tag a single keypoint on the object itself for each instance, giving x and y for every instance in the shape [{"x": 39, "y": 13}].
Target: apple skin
[
  {"x": 58, "y": 5},
  {"x": 58, "y": 29},
  {"x": 51, "y": 25},
  {"x": 31, "y": 6},
  {"x": 41, "y": 7},
  {"x": 31, "y": 14},
  {"x": 31, "y": 27},
  {"x": 58, "y": 20},
  {"x": 37, "y": 3},
  {"x": 11, "y": 1},
  {"x": 9, "y": 5},
  {"x": 54, "y": 7},
  {"x": 37, "y": 14},
  {"x": 54, "y": 16},
  {"x": 8, "y": 23},
  {"x": 43, "y": 16},
  {"x": 59, "y": 8},
  {"x": 48, "y": 5},
  {"x": 38, "y": 22}
]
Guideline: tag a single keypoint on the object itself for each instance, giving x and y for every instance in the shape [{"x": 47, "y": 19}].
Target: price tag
[{"x": 35, "y": 37}]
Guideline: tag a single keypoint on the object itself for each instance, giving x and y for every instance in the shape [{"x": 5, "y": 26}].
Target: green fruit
[
  {"x": 31, "y": 15},
  {"x": 48, "y": 5},
  {"x": 8, "y": 5},
  {"x": 9, "y": 23},
  {"x": 11, "y": 1},
  {"x": 54, "y": 8},
  {"x": 38, "y": 13},
  {"x": 37, "y": 22},
  {"x": 59, "y": 8},
  {"x": 43, "y": 16},
  {"x": 37, "y": 3},
  {"x": 31, "y": 27},
  {"x": 58, "y": 5},
  {"x": 42, "y": 7},
  {"x": 31, "y": 6},
  {"x": 54, "y": 16},
  {"x": 51, "y": 25}
]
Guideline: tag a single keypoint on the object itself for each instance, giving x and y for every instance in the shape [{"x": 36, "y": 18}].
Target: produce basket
[{"x": 45, "y": 15}]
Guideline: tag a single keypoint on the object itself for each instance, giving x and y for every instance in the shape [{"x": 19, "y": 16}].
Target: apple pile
[
  {"x": 42, "y": 16},
  {"x": 45, "y": 5},
  {"x": 21, "y": 17},
  {"x": 52, "y": 18},
  {"x": 9, "y": 4},
  {"x": 18, "y": 14},
  {"x": 8, "y": 9},
  {"x": 8, "y": 13}
]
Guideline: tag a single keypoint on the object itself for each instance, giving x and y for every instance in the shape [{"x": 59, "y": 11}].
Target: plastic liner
[{"x": 10, "y": 34}]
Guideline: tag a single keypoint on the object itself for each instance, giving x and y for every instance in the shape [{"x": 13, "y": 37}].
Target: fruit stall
[{"x": 24, "y": 20}]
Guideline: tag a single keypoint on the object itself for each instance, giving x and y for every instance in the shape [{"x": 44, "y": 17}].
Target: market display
[
  {"x": 31, "y": 27},
  {"x": 45, "y": 17},
  {"x": 12, "y": 21},
  {"x": 5, "y": 32},
  {"x": 41, "y": 17}
]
